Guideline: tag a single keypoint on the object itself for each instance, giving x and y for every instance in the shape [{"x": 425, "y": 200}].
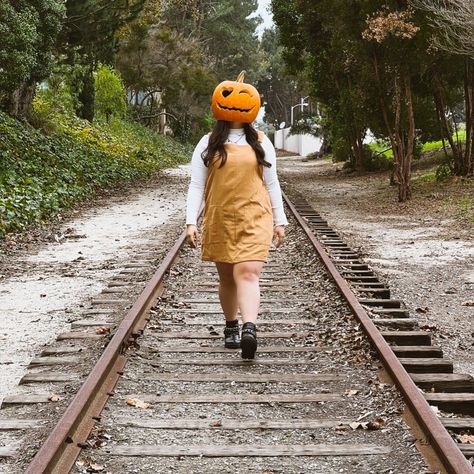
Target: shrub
[
  {"x": 40, "y": 175},
  {"x": 109, "y": 92}
]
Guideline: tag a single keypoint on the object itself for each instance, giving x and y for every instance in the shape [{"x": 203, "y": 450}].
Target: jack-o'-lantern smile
[{"x": 235, "y": 108}]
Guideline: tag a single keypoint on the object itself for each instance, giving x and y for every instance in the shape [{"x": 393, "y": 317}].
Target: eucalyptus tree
[
  {"x": 279, "y": 89},
  {"x": 89, "y": 37},
  {"x": 28, "y": 29},
  {"x": 452, "y": 34},
  {"x": 184, "y": 49}
]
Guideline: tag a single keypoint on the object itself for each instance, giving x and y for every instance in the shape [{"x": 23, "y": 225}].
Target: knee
[{"x": 247, "y": 274}]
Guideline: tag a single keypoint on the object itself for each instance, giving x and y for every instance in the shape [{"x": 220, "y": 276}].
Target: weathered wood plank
[
  {"x": 96, "y": 312},
  {"x": 240, "y": 362},
  {"x": 407, "y": 338},
  {"x": 246, "y": 378},
  {"x": 26, "y": 399},
  {"x": 228, "y": 424},
  {"x": 16, "y": 424},
  {"x": 396, "y": 323},
  {"x": 458, "y": 424},
  {"x": 85, "y": 323},
  {"x": 51, "y": 361},
  {"x": 223, "y": 350},
  {"x": 78, "y": 335},
  {"x": 263, "y": 300},
  {"x": 385, "y": 303},
  {"x": 8, "y": 451},
  {"x": 219, "y": 324},
  {"x": 427, "y": 365},
  {"x": 263, "y": 283},
  {"x": 218, "y": 310},
  {"x": 248, "y": 450},
  {"x": 417, "y": 351},
  {"x": 467, "y": 449},
  {"x": 47, "y": 377},
  {"x": 202, "y": 335},
  {"x": 452, "y": 402},
  {"x": 444, "y": 382},
  {"x": 109, "y": 301},
  {"x": 214, "y": 289},
  {"x": 248, "y": 398}
]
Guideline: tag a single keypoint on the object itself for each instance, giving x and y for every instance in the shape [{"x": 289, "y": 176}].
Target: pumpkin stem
[{"x": 241, "y": 76}]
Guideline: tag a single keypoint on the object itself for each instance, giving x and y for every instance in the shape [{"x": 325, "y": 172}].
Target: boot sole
[{"x": 248, "y": 345}]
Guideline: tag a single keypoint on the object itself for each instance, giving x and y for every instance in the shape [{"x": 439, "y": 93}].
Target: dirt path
[
  {"x": 45, "y": 285},
  {"x": 424, "y": 249}
]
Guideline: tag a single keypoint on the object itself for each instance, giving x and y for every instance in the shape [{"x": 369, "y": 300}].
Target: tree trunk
[
  {"x": 20, "y": 101},
  {"x": 447, "y": 131},
  {"x": 87, "y": 97},
  {"x": 410, "y": 148},
  {"x": 468, "y": 162}
]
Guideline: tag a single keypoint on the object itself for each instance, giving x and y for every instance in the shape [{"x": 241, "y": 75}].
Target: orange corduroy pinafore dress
[{"x": 238, "y": 221}]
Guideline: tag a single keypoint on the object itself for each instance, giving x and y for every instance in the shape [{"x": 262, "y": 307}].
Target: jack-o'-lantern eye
[
  {"x": 227, "y": 92},
  {"x": 245, "y": 92}
]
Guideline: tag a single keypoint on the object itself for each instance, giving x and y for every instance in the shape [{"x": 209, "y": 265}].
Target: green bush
[
  {"x": 40, "y": 174},
  {"x": 109, "y": 92}
]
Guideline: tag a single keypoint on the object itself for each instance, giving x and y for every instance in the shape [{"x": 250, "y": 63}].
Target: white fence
[{"x": 299, "y": 144}]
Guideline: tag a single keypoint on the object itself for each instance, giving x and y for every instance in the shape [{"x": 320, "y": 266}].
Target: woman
[{"x": 234, "y": 170}]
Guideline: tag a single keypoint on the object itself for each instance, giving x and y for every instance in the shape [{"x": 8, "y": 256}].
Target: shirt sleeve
[
  {"x": 198, "y": 182},
  {"x": 272, "y": 184}
]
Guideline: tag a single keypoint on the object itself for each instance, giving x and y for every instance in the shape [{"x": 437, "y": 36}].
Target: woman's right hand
[{"x": 192, "y": 235}]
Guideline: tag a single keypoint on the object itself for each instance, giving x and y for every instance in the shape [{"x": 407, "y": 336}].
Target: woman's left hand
[{"x": 278, "y": 235}]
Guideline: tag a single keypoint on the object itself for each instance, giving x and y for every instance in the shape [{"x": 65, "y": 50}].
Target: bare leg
[
  {"x": 227, "y": 290},
  {"x": 247, "y": 276}
]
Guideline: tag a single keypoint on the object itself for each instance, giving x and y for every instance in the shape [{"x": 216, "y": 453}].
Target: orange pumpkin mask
[{"x": 236, "y": 101}]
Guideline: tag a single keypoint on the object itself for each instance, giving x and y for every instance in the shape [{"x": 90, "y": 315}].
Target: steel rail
[
  {"x": 59, "y": 451},
  {"x": 444, "y": 446}
]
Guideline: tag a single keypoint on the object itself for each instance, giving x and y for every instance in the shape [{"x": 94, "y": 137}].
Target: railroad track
[{"x": 310, "y": 402}]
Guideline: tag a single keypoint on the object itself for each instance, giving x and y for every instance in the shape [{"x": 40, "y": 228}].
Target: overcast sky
[{"x": 263, "y": 7}]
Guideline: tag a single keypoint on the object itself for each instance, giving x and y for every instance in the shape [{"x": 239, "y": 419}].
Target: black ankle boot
[
  {"x": 232, "y": 336},
  {"x": 248, "y": 341}
]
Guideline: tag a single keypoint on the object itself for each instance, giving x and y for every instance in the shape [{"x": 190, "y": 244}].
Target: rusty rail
[
  {"x": 60, "y": 450},
  {"x": 446, "y": 449}
]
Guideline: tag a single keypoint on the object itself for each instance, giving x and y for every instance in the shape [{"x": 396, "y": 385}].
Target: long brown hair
[{"x": 219, "y": 136}]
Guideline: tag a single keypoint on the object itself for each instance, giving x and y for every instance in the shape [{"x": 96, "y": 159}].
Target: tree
[
  {"x": 109, "y": 92},
  {"x": 182, "y": 50},
  {"x": 90, "y": 38},
  {"x": 28, "y": 29},
  {"x": 279, "y": 89},
  {"x": 452, "y": 32}
]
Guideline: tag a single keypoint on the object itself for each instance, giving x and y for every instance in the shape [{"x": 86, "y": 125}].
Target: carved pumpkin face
[{"x": 235, "y": 101}]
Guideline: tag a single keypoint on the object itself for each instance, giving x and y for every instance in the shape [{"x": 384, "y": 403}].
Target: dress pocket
[{"x": 219, "y": 225}]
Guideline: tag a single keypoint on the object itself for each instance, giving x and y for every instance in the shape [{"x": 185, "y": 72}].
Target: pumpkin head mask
[{"x": 236, "y": 101}]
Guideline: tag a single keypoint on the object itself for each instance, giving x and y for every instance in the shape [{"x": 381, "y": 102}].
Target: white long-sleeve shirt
[{"x": 199, "y": 177}]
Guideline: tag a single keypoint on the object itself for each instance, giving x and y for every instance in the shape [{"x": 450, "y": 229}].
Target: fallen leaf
[
  {"x": 54, "y": 397},
  {"x": 466, "y": 438},
  {"x": 355, "y": 425},
  {"x": 375, "y": 424},
  {"x": 102, "y": 330},
  {"x": 468, "y": 303},
  {"x": 93, "y": 467},
  {"x": 215, "y": 424},
  {"x": 135, "y": 402},
  {"x": 350, "y": 393},
  {"x": 422, "y": 310}
]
